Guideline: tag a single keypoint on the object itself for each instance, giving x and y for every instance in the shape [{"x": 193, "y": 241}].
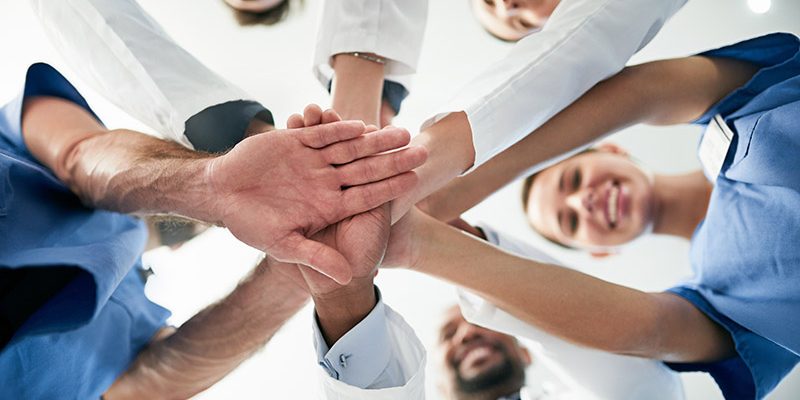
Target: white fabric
[
  {"x": 591, "y": 374},
  {"x": 124, "y": 55},
  {"x": 584, "y": 373},
  {"x": 407, "y": 352},
  {"x": 582, "y": 43},
  {"x": 392, "y": 29}
]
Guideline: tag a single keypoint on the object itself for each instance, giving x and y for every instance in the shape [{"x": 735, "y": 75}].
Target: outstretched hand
[{"x": 277, "y": 189}]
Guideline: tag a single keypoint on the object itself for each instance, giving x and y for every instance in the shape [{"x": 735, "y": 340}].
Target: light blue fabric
[
  {"x": 78, "y": 342},
  {"x": 362, "y": 357},
  {"x": 746, "y": 253}
]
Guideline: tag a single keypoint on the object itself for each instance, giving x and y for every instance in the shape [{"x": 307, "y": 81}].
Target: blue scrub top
[
  {"x": 746, "y": 253},
  {"x": 87, "y": 334}
]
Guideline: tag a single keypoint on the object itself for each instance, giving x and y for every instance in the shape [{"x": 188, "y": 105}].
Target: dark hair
[{"x": 268, "y": 17}]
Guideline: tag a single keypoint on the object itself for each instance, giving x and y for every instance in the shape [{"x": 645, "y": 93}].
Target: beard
[{"x": 504, "y": 378}]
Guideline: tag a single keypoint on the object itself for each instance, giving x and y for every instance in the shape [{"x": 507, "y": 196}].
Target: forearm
[
  {"x": 661, "y": 92},
  {"x": 574, "y": 306},
  {"x": 119, "y": 170},
  {"x": 357, "y": 88},
  {"x": 213, "y": 342},
  {"x": 338, "y": 312}
]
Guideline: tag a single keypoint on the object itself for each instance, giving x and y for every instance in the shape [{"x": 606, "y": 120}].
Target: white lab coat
[
  {"x": 583, "y": 42},
  {"x": 585, "y": 373},
  {"x": 124, "y": 55}
]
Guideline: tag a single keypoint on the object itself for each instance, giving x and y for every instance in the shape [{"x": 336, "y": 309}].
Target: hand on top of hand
[
  {"x": 362, "y": 238},
  {"x": 277, "y": 189}
]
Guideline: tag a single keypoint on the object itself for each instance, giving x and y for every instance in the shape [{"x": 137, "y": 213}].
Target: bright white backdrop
[{"x": 274, "y": 63}]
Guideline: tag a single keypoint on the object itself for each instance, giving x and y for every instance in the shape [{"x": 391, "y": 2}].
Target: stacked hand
[
  {"x": 322, "y": 178},
  {"x": 362, "y": 238}
]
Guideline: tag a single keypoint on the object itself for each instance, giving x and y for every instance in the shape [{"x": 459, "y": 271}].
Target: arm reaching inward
[
  {"x": 272, "y": 190},
  {"x": 568, "y": 304},
  {"x": 660, "y": 92},
  {"x": 213, "y": 342}
]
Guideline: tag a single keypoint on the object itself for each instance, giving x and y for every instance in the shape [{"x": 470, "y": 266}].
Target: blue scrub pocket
[{"x": 768, "y": 149}]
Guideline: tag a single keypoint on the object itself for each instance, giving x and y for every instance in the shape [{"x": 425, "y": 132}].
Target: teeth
[{"x": 612, "y": 204}]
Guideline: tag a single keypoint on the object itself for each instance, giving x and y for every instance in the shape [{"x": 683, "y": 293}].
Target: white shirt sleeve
[
  {"x": 123, "y": 54},
  {"x": 392, "y": 29},
  {"x": 380, "y": 358},
  {"x": 601, "y": 374},
  {"x": 583, "y": 42}
]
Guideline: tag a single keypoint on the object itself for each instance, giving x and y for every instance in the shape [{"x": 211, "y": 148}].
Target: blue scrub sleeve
[
  {"x": 45, "y": 225},
  {"x": 40, "y": 80},
  {"x": 778, "y": 57},
  {"x": 758, "y": 366}
]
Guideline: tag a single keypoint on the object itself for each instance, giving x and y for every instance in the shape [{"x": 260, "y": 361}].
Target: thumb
[{"x": 322, "y": 258}]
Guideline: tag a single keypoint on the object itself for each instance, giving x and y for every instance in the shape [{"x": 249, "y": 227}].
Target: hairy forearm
[
  {"x": 120, "y": 170},
  {"x": 661, "y": 92},
  {"x": 338, "y": 312},
  {"x": 130, "y": 172},
  {"x": 213, "y": 342},
  {"x": 569, "y": 304}
]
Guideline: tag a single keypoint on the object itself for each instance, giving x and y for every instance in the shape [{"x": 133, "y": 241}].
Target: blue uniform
[
  {"x": 746, "y": 253},
  {"x": 92, "y": 326}
]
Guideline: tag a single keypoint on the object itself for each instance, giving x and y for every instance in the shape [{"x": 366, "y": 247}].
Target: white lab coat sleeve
[
  {"x": 123, "y": 54},
  {"x": 407, "y": 361},
  {"x": 602, "y": 375},
  {"x": 392, "y": 29},
  {"x": 583, "y": 42}
]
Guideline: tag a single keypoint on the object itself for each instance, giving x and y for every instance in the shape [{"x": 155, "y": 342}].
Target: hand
[
  {"x": 276, "y": 189},
  {"x": 361, "y": 239}
]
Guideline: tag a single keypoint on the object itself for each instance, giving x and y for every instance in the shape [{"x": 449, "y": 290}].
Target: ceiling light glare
[{"x": 759, "y": 6}]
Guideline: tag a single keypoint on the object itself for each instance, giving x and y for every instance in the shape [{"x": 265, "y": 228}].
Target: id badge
[{"x": 714, "y": 147}]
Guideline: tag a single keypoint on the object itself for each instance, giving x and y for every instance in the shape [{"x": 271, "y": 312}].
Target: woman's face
[
  {"x": 513, "y": 19},
  {"x": 592, "y": 200}
]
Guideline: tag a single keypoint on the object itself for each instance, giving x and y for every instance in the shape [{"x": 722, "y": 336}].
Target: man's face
[
  {"x": 513, "y": 19},
  {"x": 595, "y": 199},
  {"x": 479, "y": 361}
]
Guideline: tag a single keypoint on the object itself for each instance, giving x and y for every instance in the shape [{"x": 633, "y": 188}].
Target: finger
[
  {"x": 323, "y": 135},
  {"x": 320, "y": 257},
  {"x": 312, "y": 115},
  {"x": 366, "y": 145},
  {"x": 358, "y": 199},
  {"x": 380, "y": 167},
  {"x": 329, "y": 116},
  {"x": 372, "y": 128},
  {"x": 295, "y": 121}
]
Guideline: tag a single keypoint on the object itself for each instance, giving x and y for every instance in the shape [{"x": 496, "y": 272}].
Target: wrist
[
  {"x": 197, "y": 196},
  {"x": 339, "y": 311},
  {"x": 422, "y": 240}
]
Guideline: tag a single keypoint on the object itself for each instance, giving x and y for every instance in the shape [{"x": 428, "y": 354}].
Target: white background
[{"x": 274, "y": 64}]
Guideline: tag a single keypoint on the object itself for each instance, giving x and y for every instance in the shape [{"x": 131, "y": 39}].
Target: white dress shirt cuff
[{"x": 360, "y": 356}]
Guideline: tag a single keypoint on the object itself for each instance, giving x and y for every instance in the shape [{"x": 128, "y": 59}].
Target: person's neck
[{"x": 680, "y": 203}]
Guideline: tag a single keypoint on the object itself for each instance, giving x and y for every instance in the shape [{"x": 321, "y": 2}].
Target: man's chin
[{"x": 491, "y": 377}]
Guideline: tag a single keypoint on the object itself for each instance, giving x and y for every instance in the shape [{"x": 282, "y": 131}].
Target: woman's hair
[{"x": 269, "y": 17}]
